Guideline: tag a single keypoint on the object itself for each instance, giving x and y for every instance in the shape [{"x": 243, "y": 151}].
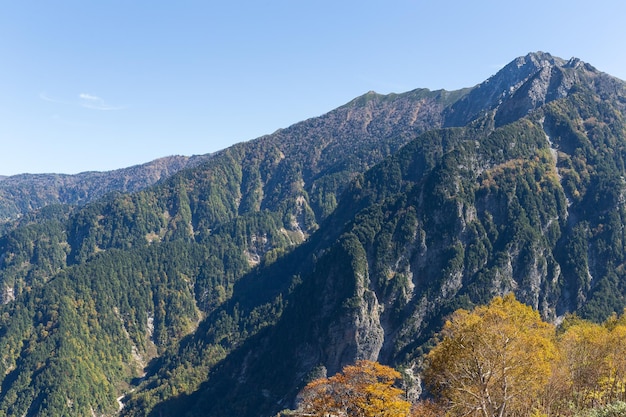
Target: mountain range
[
  {"x": 223, "y": 288},
  {"x": 24, "y": 193}
]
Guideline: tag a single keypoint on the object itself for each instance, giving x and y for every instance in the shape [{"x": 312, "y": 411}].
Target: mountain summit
[
  {"x": 224, "y": 288},
  {"x": 527, "y": 83}
]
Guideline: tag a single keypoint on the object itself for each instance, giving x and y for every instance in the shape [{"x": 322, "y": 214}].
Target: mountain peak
[
  {"x": 537, "y": 59},
  {"x": 525, "y": 84},
  {"x": 347, "y": 236}
]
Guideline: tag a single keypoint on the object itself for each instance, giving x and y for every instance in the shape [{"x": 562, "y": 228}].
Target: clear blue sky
[{"x": 105, "y": 84}]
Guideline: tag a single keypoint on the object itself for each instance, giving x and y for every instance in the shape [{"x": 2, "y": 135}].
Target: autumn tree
[
  {"x": 427, "y": 408},
  {"x": 584, "y": 348},
  {"x": 594, "y": 357},
  {"x": 615, "y": 383},
  {"x": 361, "y": 390},
  {"x": 493, "y": 361}
]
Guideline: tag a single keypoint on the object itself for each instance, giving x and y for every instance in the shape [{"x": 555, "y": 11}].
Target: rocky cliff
[
  {"x": 348, "y": 236},
  {"x": 525, "y": 195}
]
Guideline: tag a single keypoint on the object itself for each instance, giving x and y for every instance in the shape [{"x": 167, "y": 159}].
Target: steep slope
[
  {"x": 457, "y": 216},
  {"x": 20, "y": 194},
  {"x": 527, "y": 83},
  {"x": 345, "y": 236},
  {"x": 124, "y": 278}
]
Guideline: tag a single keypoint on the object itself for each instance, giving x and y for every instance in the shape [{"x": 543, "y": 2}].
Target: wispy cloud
[
  {"x": 89, "y": 101},
  {"x": 45, "y": 97},
  {"x": 86, "y": 96},
  {"x": 85, "y": 100}
]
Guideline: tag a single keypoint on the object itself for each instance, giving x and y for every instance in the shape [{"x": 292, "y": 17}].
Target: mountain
[
  {"x": 92, "y": 294},
  {"x": 224, "y": 288},
  {"x": 21, "y": 194},
  {"x": 456, "y": 216}
]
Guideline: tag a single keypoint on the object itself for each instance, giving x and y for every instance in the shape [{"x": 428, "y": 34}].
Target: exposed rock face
[
  {"x": 8, "y": 295},
  {"x": 526, "y": 84},
  {"x": 500, "y": 87},
  {"x": 508, "y": 202},
  {"x": 348, "y": 236}
]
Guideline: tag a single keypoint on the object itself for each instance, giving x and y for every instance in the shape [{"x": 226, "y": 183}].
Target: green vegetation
[
  {"x": 347, "y": 236},
  {"x": 21, "y": 194},
  {"x": 94, "y": 293}
]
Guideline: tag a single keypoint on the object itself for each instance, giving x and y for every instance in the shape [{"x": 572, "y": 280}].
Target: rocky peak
[
  {"x": 534, "y": 61},
  {"x": 520, "y": 87}
]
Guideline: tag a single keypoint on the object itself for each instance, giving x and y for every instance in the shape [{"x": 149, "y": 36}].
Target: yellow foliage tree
[
  {"x": 594, "y": 357},
  {"x": 427, "y": 408},
  {"x": 493, "y": 361},
  {"x": 583, "y": 346},
  {"x": 615, "y": 384},
  {"x": 361, "y": 390}
]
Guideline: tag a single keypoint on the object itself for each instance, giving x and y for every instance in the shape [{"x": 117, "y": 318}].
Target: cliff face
[
  {"x": 528, "y": 83},
  {"x": 525, "y": 195},
  {"x": 348, "y": 236},
  {"x": 452, "y": 219}
]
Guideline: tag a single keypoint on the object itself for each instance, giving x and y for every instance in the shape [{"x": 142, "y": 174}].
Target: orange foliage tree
[
  {"x": 361, "y": 390},
  {"x": 498, "y": 360}
]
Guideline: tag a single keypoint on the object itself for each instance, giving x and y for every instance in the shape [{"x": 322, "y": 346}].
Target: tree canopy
[
  {"x": 361, "y": 390},
  {"x": 503, "y": 360},
  {"x": 492, "y": 360}
]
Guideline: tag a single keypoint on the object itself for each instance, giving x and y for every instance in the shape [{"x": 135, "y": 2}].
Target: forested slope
[
  {"x": 120, "y": 280},
  {"x": 452, "y": 219},
  {"x": 343, "y": 237},
  {"x": 21, "y": 194}
]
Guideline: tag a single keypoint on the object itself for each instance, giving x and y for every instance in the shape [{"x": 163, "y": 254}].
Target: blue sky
[{"x": 105, "y": 84}]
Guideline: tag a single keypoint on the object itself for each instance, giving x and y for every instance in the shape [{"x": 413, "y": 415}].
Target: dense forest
[
  {"x": 499, "y": 359},
  {"x": 22, "y": 194},
  {"x": 225, "y": 288}
]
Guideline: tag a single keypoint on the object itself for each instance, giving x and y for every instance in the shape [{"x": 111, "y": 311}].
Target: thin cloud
[
  {"x": 85, "y": 100},
  {"x": 86, "y": 96},
  {"x": 90, "y": 101},
  {"x": 46, "y": 97}
]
